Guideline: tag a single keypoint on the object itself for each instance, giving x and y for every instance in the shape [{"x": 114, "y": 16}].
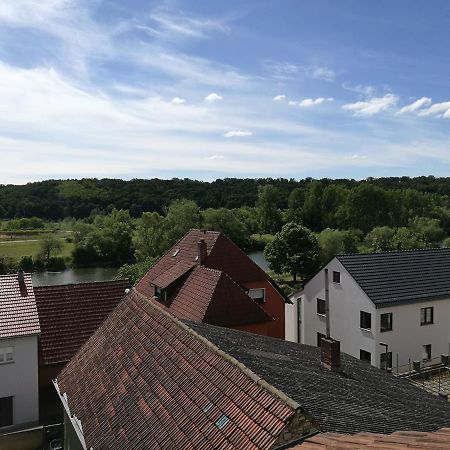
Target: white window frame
[
  {"x": 6, "y": 355},
  {"x": 258, "y": 299},
  {"x": 340, "y": 277}
]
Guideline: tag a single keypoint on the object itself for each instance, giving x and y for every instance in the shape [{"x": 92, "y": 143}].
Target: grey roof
[
  {"x": 402, "y": 276},
  {"x": 361, "y": 399}
]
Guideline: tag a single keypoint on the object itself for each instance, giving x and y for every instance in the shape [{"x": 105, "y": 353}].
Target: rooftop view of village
[{"x": 224, "y": 225}]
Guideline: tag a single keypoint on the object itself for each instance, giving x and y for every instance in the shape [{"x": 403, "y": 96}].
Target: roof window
[
  {"x": 175, "y": 253},
  {"x": 222, "y": 421}
]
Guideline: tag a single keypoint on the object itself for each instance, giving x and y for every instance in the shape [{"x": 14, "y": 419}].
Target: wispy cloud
[
  {"x": 373, "y": 106},
  {"x": 416, "y": 105},
  {"x": 284, "y": 70},
  {"x": 366, "y": 90},
  {"x": 308, "y": 102},
  {"x": 279, "y": 98},
  {"x": 438, "y": 109},
  {"x": 213, "y": 97},
  {"x": 320, "y": 73},
  {"x": 237, "y": 133}
]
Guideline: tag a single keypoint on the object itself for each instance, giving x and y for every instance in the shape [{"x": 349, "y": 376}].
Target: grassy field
[{"x": 16, "y": 248}]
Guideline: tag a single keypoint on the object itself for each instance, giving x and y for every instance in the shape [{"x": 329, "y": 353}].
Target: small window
[
  {"x": 175, "y": 253},
  {"x": 386, "y": 322},
  {"x": 321, "y": 307},
  {"x": 6, "y": 411},
  {"x": 222, "y": 421},
  {"x": 427, "y": 352},
  {"x": 6, "y": 355},
  {"x": 426, "y": 315},
  {"x": 336, "y": 277},
  {"x": 160, "y": 294},
  {"x": 365, "y": 356},
  {"x": 365, "y": 320},
  {"x": 320, "y": 336},
  {"x": 259, "y": 295},
  {"x": 386, "y": 360}
]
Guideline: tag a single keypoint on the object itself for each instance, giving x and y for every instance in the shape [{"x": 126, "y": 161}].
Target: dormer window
[
  {"x": 160, "y": 294},
  {"x": 259, "y": 295}
]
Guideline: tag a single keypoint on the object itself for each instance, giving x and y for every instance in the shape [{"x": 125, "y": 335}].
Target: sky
[{"x": 226, "y": 88}]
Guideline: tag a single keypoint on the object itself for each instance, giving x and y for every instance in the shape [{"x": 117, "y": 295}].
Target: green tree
[
  {"x": 267, "y": 207},
  {"x": 312, "y": 207},
  {"x": 380, "y": 239},
  {"x": 294, "y": 250},
  {"x": 226, "y": 221},
  {"x": 50, "y": 245},
  {"x": 408, "y": 239},
  {"x": 333, "y": 211},
  {"x": 149, "y": 238},
  {"x": 134, "y": 272},
  {"x": 430, "y": 229},
  {"x": 249, "y": 217},
  {"x": 295, "y": 205},
  {"x": 182, "y": 215},
  {"x": 335, "y": 242}
]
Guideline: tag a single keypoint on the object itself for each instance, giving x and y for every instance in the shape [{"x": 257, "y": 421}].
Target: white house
[
  {"x": 19, "y": 330},
  {"x": 388, "y": 308}
]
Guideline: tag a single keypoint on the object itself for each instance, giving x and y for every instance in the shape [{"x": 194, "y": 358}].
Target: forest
[{"x": 131, "y": 223}]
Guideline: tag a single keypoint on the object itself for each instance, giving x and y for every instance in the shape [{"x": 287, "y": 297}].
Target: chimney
[
  {"x": 22, "y": 285},
  {"x": 202, "y": 253},
  {"x": 331, "y": 354}
]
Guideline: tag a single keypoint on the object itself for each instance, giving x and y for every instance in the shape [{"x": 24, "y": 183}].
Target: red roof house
[
  {"x": 69, "y": 314},
  {"x": 206, "y": 277}
]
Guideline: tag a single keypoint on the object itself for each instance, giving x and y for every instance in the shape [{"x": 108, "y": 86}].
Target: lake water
[
  {"x": 105, "y": 273},
  {"x": 74, "y": 276}
]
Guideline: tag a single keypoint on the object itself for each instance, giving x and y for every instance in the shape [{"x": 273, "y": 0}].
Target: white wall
[
  {"x": 20, "y": 379},
  {"x": 408, "y": 337}
]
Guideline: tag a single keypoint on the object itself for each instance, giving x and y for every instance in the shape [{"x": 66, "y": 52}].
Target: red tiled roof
[
  {"x": 213, "y": 296},
  {"x": 144, "y": 380},
  {"x": 18, "y": 313},
  {"x": 439, "y": 440},
  {"x": 70, "y": 313}
]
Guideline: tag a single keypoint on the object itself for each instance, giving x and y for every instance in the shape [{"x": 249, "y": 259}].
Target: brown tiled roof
[
  {"x": 144, "y": 380},
  {"x": 399, "y": 440},
  {"x": 18, "y": 313},
  {"x": 213, "y": 296},
  {"x": 70, "y": 313}
]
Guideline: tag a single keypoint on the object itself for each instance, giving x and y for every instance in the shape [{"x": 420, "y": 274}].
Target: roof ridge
[
  {"x": 81, "y": 283},
  {"x": 427, "y": 249},
  {"x": 242, "y": 367}
]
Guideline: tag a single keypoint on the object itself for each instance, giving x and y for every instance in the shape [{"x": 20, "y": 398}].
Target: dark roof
[
  {"x": 213, "y": 292},
  {"x": 70, "y": 313},
  {"x": 144, "y": 380},
  {"x": 402, "y": 276},
  {"x": 18, "y": 313},
  {"x": 361, "y": 399},
  {"x": 439, "y": 440}
]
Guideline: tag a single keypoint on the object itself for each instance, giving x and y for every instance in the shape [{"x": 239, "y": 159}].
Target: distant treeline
[{"x": 58, "y": 199}]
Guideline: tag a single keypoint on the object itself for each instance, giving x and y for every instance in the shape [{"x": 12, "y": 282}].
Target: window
[
  {"x": 386, "y": 322},
  {"x": 426, "y": 316},
  {"x": 365, "y": 320},
  {"x": 160, "y": 294},
  {"x": 427, "y": 352},
  {"x": 259, "y": 295},
  {"x": 175, "y": 253},
  {"x": 320, "y": 336},
  {"x": 336, "y": 277},
  {"x": 321, "y": 307},
  {"x": 386, "y": 360},
  {"x": 365, "y": 356},
  {"x": 6, "y": 411},
  {"x": 6, "y": 355}
]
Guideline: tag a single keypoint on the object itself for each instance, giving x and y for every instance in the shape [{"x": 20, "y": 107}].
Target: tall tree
[
  {"x": 312, "y": 207},
  {"x": 50, "y": 245},
  {"x": 182, "y": 215},
  {"x": 267, "y": 207},
  {"x": 294, "y": 250},
  {"x": 295, "y": 205},
  {"x": 149, "y": 238}
]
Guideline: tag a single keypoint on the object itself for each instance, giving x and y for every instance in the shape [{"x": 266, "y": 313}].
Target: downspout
[
  {"x": 298, "y": 320},
  {"x": 327, "y": 303}
]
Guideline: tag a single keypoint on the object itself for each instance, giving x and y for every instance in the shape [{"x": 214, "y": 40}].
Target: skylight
[
  {"x": 175, "y": 253},
  {"x": 222, "y": 421}
]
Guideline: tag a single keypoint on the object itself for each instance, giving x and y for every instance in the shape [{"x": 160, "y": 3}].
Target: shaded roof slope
[
  {"x": 399, "y": 440},
  {"x": 361, "y": 399},
  {"x": 146, "y": 381},
  {"x": 70, "y": 313},
  {"x": 403, "y": 276},
  {"x": 18, "y": 312}
]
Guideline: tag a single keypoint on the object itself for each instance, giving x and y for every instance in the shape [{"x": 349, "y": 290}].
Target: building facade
[{"x": 389, "y": 309}]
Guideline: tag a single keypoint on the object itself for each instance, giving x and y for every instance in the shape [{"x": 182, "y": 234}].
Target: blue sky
[{"x": 211, "y": 89}]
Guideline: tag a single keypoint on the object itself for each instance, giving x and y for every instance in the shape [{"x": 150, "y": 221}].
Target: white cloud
[
  {"x": 362, "y": 89},
  {"x": 279, "y": 98},
  {"x": 414, "y": 106},
  {"x": 215, "y": 157},
  {"x": 307, "y": 102},
  {"x": 213, "y": 97},
  {"x": 178, "y": 100},
  {"x": 321, "y": 73},
  {"x": 237, "y": 133},
  {"x": 373, "y": 106},
  {"x": 438, "y": 109}
]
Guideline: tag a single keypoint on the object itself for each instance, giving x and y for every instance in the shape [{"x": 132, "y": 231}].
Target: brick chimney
[
  {"x": 22, "y": 285},
  {"x": 330, "y": 354},
  {"x": 202, "y": 252}
]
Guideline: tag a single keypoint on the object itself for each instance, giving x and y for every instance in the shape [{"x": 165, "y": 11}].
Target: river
[{"x": 84, "y": 275}]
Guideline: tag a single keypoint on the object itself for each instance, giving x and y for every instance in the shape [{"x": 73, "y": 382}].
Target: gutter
[{"x": 76, "y": 423}]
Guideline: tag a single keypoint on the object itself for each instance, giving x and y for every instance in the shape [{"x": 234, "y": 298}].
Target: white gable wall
[{"x": 19, "y": 379}]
